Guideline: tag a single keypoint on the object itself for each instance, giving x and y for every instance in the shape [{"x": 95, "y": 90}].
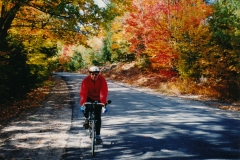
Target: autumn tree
[
  {"x": 120, "y": 45},
  {"x": 66, "y": 19},
  {"x": 191, "y": 37},
  {"x": 37, "y": 22},
  {"x": 165, "y": 31},
  {"x": 224, "y": 56},
  {"x": 148, "y": 31},
  {"x": 111, "y": 28},
  {"x": 115, "y": 44}
]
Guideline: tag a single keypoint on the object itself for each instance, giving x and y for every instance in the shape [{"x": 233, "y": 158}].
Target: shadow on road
[{"x": 143, "y": 125}]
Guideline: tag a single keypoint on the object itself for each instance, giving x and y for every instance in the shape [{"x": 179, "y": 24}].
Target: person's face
[{"x": 94, "y": 75}]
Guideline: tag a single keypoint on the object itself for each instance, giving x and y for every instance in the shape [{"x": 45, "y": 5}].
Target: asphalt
[{"x": 141, "y": 124}]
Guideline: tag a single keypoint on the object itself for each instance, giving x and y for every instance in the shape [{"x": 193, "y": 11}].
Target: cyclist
[{"x": 94, "y": 88}]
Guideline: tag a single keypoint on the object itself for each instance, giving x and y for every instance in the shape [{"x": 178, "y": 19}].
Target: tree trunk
[{"x": 7, "y": 18}]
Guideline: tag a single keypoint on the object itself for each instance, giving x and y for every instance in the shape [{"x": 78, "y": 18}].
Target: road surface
[{"x": 145, "y": 125}]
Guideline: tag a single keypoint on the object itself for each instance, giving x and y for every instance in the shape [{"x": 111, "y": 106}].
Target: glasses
[{"x": 94, "y": 74}]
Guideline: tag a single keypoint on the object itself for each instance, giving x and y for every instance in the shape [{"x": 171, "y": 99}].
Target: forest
[{"x": 183, "y": 41}]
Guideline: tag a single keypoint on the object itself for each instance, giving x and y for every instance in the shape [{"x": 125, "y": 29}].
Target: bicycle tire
[{"x": 93, "y": 137}]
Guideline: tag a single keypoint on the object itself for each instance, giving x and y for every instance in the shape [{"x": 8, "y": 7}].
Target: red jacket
[{"x": 97, "y": 90}]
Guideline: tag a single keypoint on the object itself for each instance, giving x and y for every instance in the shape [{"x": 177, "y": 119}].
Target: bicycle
[{"x": 92, "y": 122}]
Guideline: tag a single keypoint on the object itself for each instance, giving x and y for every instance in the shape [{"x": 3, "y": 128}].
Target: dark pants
[{"x": 98, "y": 111}]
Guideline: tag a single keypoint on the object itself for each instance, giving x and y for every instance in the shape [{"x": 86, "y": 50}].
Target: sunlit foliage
[
  {"x": 154, "y": 27},
  {"x": 224, "y": 58},
  {"x": 37, "y": 26},
  {"x": 191, "y": 37}
]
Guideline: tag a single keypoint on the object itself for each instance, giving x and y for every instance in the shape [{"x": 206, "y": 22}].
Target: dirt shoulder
[{"x": 40, "y": 133}]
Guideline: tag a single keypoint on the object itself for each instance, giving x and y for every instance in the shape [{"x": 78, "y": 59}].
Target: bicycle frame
[{"x": 92, "y": 121}]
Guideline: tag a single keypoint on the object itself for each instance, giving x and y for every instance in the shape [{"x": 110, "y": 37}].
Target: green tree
[
  {"x": 40, "y": 53},
  {"x": 15, "y": 79},
  {"x": 112, "y": 27},
  {"x": 76, "y": 62},
  {"x": 107, "y": 50},
  {"x": 224, "y": 56}
]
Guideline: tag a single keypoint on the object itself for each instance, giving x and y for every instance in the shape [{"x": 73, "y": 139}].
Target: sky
[{"x": 100, "y": 3}]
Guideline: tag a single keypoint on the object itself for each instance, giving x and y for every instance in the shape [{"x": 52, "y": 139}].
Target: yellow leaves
[
  {"x": 233, "y": 68},
  {"x": 37, "y": 59},
  {"x": 116, "y": 29},
  {"x": 115, "y": 46}
]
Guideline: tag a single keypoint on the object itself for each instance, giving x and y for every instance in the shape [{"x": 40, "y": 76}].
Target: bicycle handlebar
[
  {"x": 94, "y": 103},
  {"x": 97, "y": 103}
]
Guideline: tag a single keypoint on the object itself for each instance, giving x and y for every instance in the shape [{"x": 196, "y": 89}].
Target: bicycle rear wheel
[{"x": 93, "y": 137}]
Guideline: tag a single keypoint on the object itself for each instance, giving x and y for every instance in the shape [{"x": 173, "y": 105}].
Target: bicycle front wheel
[{"x": 93, "y": 137}]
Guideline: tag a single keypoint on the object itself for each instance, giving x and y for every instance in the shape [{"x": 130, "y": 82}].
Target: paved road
[{"x": 143, "y": 125}]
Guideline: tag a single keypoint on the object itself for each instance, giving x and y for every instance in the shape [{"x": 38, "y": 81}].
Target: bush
[{"x": 16, "y": 79}]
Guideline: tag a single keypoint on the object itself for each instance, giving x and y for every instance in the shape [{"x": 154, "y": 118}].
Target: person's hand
[
  {"x": 104, "y": 109},
  {"x": 82, "y": 109}
]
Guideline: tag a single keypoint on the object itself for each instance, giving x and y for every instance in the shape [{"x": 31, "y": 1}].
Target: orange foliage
[
  {"x": 65, "y": 57},
  {"x": 148, "y": 25},
  {"x": 152, "y": 26}
]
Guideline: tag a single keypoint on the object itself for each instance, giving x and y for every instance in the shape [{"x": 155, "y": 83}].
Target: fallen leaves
[
  {"x": 40, "y": 132},
  {"x": 32, "y": 100},
  {"x": 231, "y": 107},
  {"x": 129, "y": 73}
]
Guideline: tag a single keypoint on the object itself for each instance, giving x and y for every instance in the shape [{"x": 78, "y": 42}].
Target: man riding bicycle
[{"x": 94, "y": 88}]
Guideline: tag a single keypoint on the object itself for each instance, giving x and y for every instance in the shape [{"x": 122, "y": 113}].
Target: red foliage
[
  {"x": 148, "y": 27},
  {"x": 168, "y": 73},
  {"x": 65, "y": 56},
  {"x": 152, "y": 24}
]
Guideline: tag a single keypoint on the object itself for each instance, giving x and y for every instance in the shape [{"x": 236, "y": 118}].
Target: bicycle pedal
[{"x": 98, "y": 141}]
